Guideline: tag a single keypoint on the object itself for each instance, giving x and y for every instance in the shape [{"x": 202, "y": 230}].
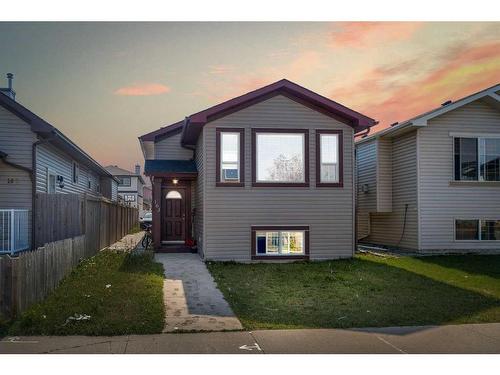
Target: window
[
  {"x": 230, "y": 157},
  {"x": 280, "y": 242},
  {"x": 329, "y": 168},
  {"x": 477, "y": 159},
  {"x": 477, "y": 230},
  {"x": 75, "y": 172},
  {"x": 51, "y": 181},
  {"x": 124, "y": 181},
  {"x": 280, "y": 157},
  {"x": 466, "y": 230},
  {"x": 490, "y": 230},
  {"x": 173, "y": 194}
]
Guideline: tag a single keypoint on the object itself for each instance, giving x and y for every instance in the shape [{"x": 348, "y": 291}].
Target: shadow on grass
[
  {"x": 487, "y": 265},
  {"x": 141, "y": 262},
  {"x": 346, "y": 294}
]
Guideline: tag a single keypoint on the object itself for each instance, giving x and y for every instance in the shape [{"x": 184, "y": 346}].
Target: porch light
[{"x": 175, "y": 181}]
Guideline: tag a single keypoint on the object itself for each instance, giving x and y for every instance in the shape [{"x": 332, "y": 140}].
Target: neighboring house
[
  {"x": 130, "y": 186},
  {"x": 147, "y": 198},
  {"x": 267, "y": 175},
  {"x": 432, "y": 183},
  {"x": 36, "y": 157}
]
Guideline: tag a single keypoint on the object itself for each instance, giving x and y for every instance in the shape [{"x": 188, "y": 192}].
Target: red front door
[{"x": 174, "y": 214}]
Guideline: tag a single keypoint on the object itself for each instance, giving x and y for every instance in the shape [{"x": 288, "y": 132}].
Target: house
[
  {"x": 432, "y": 183},
  {"x": 35, "y": 157},
  {"x": 130, "y": 186},
  {"x": 267, "y": 175}
]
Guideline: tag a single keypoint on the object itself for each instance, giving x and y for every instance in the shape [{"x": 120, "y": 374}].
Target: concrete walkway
[
  {"x": 192, "y": 300},
  {"x": 456, "y": 339}
]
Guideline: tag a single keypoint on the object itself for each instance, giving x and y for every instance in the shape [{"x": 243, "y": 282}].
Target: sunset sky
[{"x": 105, "y": 84}]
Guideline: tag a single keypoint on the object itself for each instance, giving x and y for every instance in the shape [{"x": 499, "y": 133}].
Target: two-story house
[
  {"x": 130, "y": 186},
  {"x": 268, "y": 175},
  {"x": 432, "y": 183},
  {"x": 35, "y": 157}
]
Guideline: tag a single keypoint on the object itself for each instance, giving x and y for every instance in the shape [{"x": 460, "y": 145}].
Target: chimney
[
  {"x": 9, "y": 91},
  {"x": 137, "y": 169}
]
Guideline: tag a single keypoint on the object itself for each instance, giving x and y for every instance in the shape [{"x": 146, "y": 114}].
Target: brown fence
[
  {"x": 68, "y": 228},
  {"x": 60, "y": 216}
]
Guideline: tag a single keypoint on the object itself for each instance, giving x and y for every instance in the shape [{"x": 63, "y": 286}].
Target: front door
[{"x": 174, "y": 211}]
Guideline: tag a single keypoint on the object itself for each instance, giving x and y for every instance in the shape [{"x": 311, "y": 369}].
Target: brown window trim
[
  {"x": 256, "y": 228},
  {"x": 218, "y": 182},
  {"x": 254, "y": 158},
  {"x": 318, "y": 158}
]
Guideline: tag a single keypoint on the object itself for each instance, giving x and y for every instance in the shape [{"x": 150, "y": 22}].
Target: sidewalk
[{"x": 459, "y": 339}]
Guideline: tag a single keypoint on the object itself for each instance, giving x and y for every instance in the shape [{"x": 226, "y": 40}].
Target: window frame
[
  {"x": 479, "y": 224},
  {"x": 256, "y": 183},
  {"x": 340, "y": 135},
  {"x": 279, "y": 228},
  {"x": 218, "y": 159},
  {"x": 121, "y": 179},
  {"x": 477, "y": 137},
  {"x": 51, "y": 172},
  {"x": 75, "y": 172}
]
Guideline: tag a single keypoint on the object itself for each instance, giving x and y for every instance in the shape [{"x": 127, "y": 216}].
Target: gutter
[{"x": 3, "y": 157}]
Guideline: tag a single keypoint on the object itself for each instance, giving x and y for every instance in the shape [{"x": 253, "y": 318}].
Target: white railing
[{"x": 14, "y": 230}]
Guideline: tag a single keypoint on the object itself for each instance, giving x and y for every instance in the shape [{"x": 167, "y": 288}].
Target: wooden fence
[{"x": 90, "y": 225}]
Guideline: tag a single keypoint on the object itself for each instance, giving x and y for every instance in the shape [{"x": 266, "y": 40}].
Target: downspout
[{"x": 33, "y": 186}]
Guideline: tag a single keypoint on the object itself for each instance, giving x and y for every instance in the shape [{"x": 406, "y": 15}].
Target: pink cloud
[
  {"x": 461, "y": 71},
  {"x": 221, "y": 69},
  {"x": 363, "y": 34},
  {"x": 142, "y": 89}
]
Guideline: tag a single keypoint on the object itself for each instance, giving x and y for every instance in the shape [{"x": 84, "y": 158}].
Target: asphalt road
[{"x": 471, "y": 338}]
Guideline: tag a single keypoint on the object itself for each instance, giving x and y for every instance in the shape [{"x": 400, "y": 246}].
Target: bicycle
[{"x": 147, "y": 240}]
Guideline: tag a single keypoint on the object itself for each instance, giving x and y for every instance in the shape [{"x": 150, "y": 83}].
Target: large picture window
[
  {"x": 477, "y": 159},
  {"x": 230, "y": 157},
  {"x": 477, "y": 230},
  {"x": 280, "y": 157},
  {"x": 329, "y": 155},
  {"x": 279, "y": 242},
  {"x": 124, "y": 181}
]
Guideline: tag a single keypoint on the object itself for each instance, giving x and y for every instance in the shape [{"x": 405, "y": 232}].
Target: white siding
[
  {"x": 230, "y": 212},
  {"x": 441, "y": 203},
  {"x": 387, "y": 228},
  {"x": 49, "y": 157},
  {"x": 16, "y": 139},
  {"x": 170, "y": 149}
]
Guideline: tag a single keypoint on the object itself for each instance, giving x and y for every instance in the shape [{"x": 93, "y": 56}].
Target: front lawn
[
  {"x": 112, "y": 293},
  {"x": 367, "y": 291}
]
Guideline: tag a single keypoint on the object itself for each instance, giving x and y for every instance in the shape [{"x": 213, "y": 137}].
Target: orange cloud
[
  {"x": 221, "y": 69},
  {"x": 143, "y": 89},
  {"x": 461, "y": 72},
  {"x": 362, "y": 34}
]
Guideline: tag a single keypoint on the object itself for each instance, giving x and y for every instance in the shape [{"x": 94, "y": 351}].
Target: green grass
[
  {"x": 366, "y": 291},
  {"x": 132, "y": 304}
]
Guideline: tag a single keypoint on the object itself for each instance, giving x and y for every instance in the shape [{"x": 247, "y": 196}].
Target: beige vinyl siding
[
  {"x": 441, "y": 203},
  {"x": 366, "y": 168},
  {"x": 170, "y": 149},
  {"x": 384, "y": 175},
  {"x": 230, "y": 212},
  {"x": 386, "y": 228},
  {"x": 49, "y": 157},
  {"x": 199, "y": 195}
]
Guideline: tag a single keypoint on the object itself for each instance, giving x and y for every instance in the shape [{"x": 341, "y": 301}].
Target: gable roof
[
  {"x": 192, "y": 125},
  {"x": 117, "y": 171},
  {"x": 46, "y": 130},
  {"x": 490, "y": 95}
]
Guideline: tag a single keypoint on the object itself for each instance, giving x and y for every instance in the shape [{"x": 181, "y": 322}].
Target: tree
[{"x": 285, "y": 169}]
